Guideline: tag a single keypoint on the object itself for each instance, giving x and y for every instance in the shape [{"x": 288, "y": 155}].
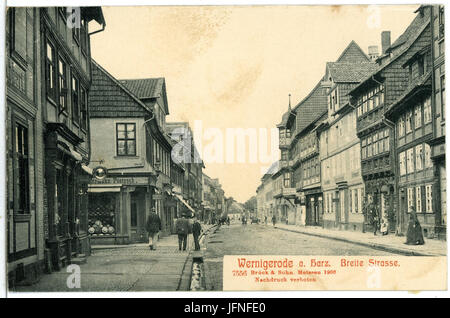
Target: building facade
[
  {"x": 48, "y": 80},
  {"x": 373, "y": 98}
]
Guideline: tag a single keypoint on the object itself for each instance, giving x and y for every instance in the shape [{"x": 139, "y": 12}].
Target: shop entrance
[{"x": 138, "y": 217}]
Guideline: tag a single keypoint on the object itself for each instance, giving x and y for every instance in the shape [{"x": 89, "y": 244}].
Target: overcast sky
[{"x": 233, "y": 67}]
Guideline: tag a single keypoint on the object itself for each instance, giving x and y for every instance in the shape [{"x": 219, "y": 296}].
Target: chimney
[
  {"x": 385, "y": 41},
  {"x": 373, "y": 52}
]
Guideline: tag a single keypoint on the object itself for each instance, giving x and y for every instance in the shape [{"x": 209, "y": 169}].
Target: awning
[
  {"x": 185, "y": 203},
  {"x": 77, "y": 156},
  {"x": 100, "y": 188}
]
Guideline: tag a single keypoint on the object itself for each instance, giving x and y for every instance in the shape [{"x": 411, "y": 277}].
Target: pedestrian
[
  {"x": 182, "y": 228},
  {"x": 414, "y": 234},
  {"x": 196, "y": 231},
  {"x": 374, "y": 219},
  {"x": 274, "y": 220},
  {"x": 265, "y": 219},
  {"x": 153, "y": 228}
]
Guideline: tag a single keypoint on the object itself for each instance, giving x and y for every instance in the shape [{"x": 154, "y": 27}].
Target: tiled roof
[
  {"x": 145, "y": 88},
  {"x": 109, "y": 98},
  {"x": 347, "y": 72},
  {"x": 412, "y": 30},
  {"x": 404, "y": 42},
  {"x": 310, "y": 108},
  {"x": 148, "y": 88},
  {"x": 353, "y": 54}
]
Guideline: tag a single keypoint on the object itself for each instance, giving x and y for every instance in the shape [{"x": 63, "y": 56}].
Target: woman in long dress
[{"x": 414, "y": 234}]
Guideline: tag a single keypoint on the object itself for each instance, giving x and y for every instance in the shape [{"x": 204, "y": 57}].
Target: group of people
[
  {"x": 414, "y": 234},
  {"x": 183, "y": 228}
]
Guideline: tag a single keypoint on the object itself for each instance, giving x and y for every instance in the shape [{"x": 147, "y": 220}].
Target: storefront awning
[
  {"x": 185, "y": 203},
  {"x": 99, "y": 188}
]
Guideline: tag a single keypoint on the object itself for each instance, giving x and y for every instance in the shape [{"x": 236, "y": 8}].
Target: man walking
[
  {"x": 182, "y": 228},
  {"x": 274, "y": 220},
  {"x": 153, "y": 228},
  {"x": 196, "y": 231}
]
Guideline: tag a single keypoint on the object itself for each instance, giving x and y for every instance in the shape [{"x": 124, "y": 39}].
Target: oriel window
[
  {"x": 21, "y": 168},
  {"x": 126, "y": 139}
]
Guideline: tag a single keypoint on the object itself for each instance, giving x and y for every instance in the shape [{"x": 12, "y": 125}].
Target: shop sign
[{"x": 122, "y": 180}]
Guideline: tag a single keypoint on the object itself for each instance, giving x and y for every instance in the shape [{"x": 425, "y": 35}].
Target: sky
[{"x": 234, "y": 66}]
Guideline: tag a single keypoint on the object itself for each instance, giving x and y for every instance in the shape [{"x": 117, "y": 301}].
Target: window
[
  {"x": 429, "y": 198},
  {"x": 408, "y": 122},
  {"x": 21, "y": 166},
  {"x": 410, "y": 199},
  {"x": 421, "y": 65},
  {"x": 443, "y": 96},
  {"x": 428, "y": 162},
  {"x": 419, "y": 157},
  {"x": 386, "y": 140},
  {"x": 410, "y": 160},
  {"x": 126, "y": 139},
  {"x": 375, "y": 144},
  {"x": 369, "y": 146},
  {"x": 18, "y": 30},
  {"x": 75, "y": 99},
  {"x": 287, "y": 180},
  {"x": 418, "y": 199},
  {"x": 441, "y": 21},
  {"x": 427, "y": 111},
  {"x": 401, "y": 127},
  {"x": 83, "y": 108},
  {"x": 62, "y": 79},
  {"x": 50, "y": 71},
  {"x": 418, "y": 116},
  {"x": 402, "y": 163}
]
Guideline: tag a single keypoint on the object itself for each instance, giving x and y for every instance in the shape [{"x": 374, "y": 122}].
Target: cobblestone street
[{"x": 255, "y": 239}]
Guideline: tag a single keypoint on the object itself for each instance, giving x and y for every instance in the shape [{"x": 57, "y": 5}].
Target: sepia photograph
[{"x": 199, "y": 148}]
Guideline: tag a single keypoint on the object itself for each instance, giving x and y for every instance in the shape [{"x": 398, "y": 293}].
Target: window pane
[
  {"x": 121, "y": 147},
  {"x": 131, "y": 145}
]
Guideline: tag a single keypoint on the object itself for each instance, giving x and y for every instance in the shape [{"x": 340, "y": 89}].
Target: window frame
[{"x": 126, "y": 139}]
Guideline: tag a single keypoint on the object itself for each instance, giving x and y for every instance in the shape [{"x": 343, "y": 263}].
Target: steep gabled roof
[
  {"x": 344, "y": 72},
  {"x": 412, "y": 30},
  {"x": 109, "y": 98},
  {"x": 404, "y": 42},
  {"x": 353, "y": 54},
  {"x": 148, "y": 88},
  {"x": 310, "y": 108}
]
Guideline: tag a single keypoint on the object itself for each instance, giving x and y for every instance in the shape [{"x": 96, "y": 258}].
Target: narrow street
[{"x": 252, "y": 239}]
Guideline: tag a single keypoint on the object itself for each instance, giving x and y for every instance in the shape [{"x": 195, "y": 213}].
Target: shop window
[
  {"x": 102, "y": 207},
  {"x": 126, "y": 140},
  {"x": 22, "y": 169}
]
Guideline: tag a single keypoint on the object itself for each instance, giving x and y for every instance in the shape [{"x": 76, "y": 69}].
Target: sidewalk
[
  {"x": 389, "y": 243},
  {"x": 133, "y": 267}
]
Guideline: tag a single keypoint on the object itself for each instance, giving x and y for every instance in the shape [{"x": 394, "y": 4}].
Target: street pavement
[
  {"x": 126, "y": 268},
  {"x": 253, "y": 239}
]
